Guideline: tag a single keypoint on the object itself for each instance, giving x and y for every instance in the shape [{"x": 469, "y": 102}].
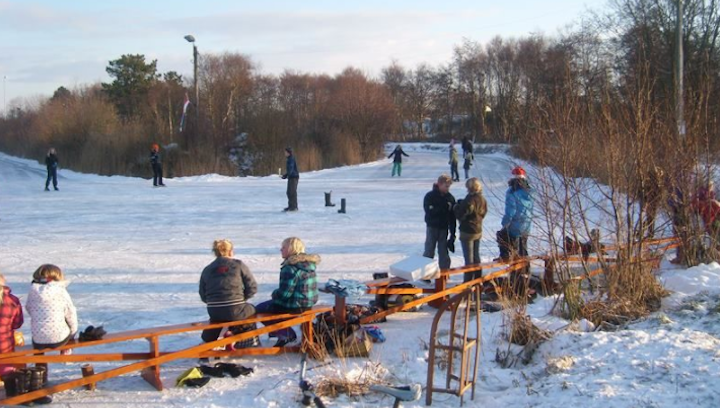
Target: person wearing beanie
[
  {"x": 517, "y": 221},
  {"x": 470, "y": 212},
  {"x": 156, "y": 166},
  {"x": 440, "y": 221},
  {"x": 292, "y": 175}
]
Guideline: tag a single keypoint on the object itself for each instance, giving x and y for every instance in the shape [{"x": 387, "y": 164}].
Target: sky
[{"x": 48, "y": 44}]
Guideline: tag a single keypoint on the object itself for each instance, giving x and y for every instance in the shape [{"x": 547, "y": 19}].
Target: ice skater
[
  {"x": 454, "y": 163},
  {"x": 469, "y": 157},
  {"x": 298, "y": 287},
  {"x": 51, "y": 162},
  {"x": 156, "y": 164},
  {"x": 397, "y": 155},
  {"x": 292, "y": 175}
]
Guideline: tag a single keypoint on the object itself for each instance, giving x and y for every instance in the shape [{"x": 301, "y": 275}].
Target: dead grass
[{"x": 343, "y": 382}]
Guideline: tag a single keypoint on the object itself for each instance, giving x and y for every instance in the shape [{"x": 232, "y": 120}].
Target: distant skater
[
  {"x": 469, "y": 157},
  {"x": 454, "y": 163},
  {"x": 292, "y": 175},
  {"x": 398, "y": 153},
  {"x": 156, "y": 166},
  {"x": 467, "y": 146},
  {"x": 51, "y": 162}
]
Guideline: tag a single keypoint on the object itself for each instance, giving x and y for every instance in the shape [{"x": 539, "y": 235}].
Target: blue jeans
[{"x": 397, "y": 167}]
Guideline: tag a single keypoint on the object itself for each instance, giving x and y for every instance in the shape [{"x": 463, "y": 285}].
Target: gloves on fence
[{"x": 92, "y": 333}]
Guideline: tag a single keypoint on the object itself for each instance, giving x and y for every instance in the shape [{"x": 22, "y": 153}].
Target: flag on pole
[{"x": 184, "y": 112}]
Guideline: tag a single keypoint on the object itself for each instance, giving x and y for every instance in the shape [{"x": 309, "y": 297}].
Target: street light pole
[{"x": 4, "y": 97}]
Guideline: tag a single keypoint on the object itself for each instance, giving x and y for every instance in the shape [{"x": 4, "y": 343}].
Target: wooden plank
[
  {"x": 152, "y": 374},
  {"x": 191, "y": 352},
  {"x": 161, "y": 331}
]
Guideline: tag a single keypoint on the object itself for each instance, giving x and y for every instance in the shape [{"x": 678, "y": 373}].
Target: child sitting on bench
[
  {"x": 225, "y": 286},
  {"x": 52, "y": 313},
  {"x": 298, "y": 287},
  {"x": 11, "y": 318}
]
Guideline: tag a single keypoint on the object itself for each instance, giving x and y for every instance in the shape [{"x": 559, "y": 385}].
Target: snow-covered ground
[{"x": 134, "y": 254}]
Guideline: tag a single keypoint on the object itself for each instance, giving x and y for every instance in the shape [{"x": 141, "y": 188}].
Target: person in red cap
[
  {"x": 517, "y": 221},
  {"x": 156, "y": 165}
]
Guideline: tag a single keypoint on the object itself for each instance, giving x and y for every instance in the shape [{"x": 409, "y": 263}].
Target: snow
[{"x": 134, "y": 254}]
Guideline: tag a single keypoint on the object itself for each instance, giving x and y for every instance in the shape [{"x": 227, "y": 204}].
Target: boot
[
  {"x": 37, "y": 382},
  {"x": 328, "y": 200}
]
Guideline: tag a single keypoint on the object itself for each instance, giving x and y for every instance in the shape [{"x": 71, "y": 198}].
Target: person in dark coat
[
  {"x": 454, "y": 173},
  {"x": 51, "y": 162},
  {"x": 470, "y": 212},
  {"x": 517, "y": 221},
  {"x": 226, "y": 285},
  {"x": 292, "y": 175},
  {"x": 397, "y": 155},
  {"x": 156, "y": 164},
  {"x": 440, "y": 221},
  {"x": 467, "y": 146},
  {"x": 469, "y": 157}
]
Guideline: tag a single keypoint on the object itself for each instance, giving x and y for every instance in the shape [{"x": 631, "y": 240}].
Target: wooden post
[
  {"x": 440, "y": 286},
  {"x": 340, "y": 311},
  {"x": 152, "y": 374},
  {"x": 88, "y": 370}
]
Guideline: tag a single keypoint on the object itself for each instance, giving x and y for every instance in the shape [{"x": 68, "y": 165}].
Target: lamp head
[{"x": 190, "y": 38}]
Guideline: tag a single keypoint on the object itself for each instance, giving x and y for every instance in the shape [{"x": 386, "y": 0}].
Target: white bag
[{"x": 416, "y": 267}]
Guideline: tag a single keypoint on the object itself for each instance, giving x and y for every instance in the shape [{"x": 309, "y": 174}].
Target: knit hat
[
  {"x": 289, "y": 150},
  {"x": 519, "y": 172}
]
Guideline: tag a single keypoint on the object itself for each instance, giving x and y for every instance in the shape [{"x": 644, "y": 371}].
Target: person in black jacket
[
  {"x": 440, "y": 221},
  {"x": 225, "y": 287},
  {"x": 156, "y": 166},
  {"x": 398, "y": 153},
  {"x": 293, "y": 177},
  {"x": 470, "y": 212},
  {"x": 51, "y": 162}
]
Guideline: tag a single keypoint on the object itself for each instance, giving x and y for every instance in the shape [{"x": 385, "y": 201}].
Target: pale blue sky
[{"x": 46, "y": 44}]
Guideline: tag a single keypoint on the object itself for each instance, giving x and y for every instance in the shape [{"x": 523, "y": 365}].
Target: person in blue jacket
[
  {"x": 293, "y": 177},
  {"x": 517, "y": 221}
]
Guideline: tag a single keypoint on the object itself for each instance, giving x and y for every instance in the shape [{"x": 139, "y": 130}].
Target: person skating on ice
[
  {"x": 397, "y": 155},
  {"x": 51, "y": 162},
  {"x": 454, "y": 173},
  {"x": 292, "y": 175},
  {"x": 156, "y": 164},
  {"x": 469, "y": 157}
]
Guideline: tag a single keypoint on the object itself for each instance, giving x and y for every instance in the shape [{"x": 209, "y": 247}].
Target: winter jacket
[
  {"x": 439, "y": 210},
  {"x": 518, "y": 208},
  {"x": 51, "y": 161},
  {"x": 291, "y": 170},
  {"x": 467, "y": 146},
  {"x": 226, "y": 282},
  {"x": 298, "y": 283},
  {"x": 471, "y": 212},
  {"x": 154, "y": 157},
  {"x": 11, "y": 318},
  {"x": 709, "y": 209},
  {"x": 453, "y": 156},
  {"x": 398, "y": 153},
  {"x": 52, "y": 313}
]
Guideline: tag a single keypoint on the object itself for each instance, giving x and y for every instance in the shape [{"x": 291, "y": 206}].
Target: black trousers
[
  {"x": 454, "y": 173},
  {"x": 228, "y": 314},
  {"x": 510, "y": 245},
  {"x": 52, "y": 175},
  {"x": 157, "y": 174},
  {"x": 292, "y": 186}
]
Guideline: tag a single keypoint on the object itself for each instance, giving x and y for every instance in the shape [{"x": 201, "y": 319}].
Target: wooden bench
[{"x": 150, "y": 362}]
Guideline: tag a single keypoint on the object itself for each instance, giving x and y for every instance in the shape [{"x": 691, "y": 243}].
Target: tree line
[{"x": 523, "y": 91}]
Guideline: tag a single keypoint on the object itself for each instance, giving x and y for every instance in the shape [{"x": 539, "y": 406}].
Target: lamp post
[
  {"x": 4, "y": 97},
  {"x": 189, "y": 38}
]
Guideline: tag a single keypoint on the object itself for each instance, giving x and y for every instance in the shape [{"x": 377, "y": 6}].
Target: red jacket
[{"x": 11, "y": 318}]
